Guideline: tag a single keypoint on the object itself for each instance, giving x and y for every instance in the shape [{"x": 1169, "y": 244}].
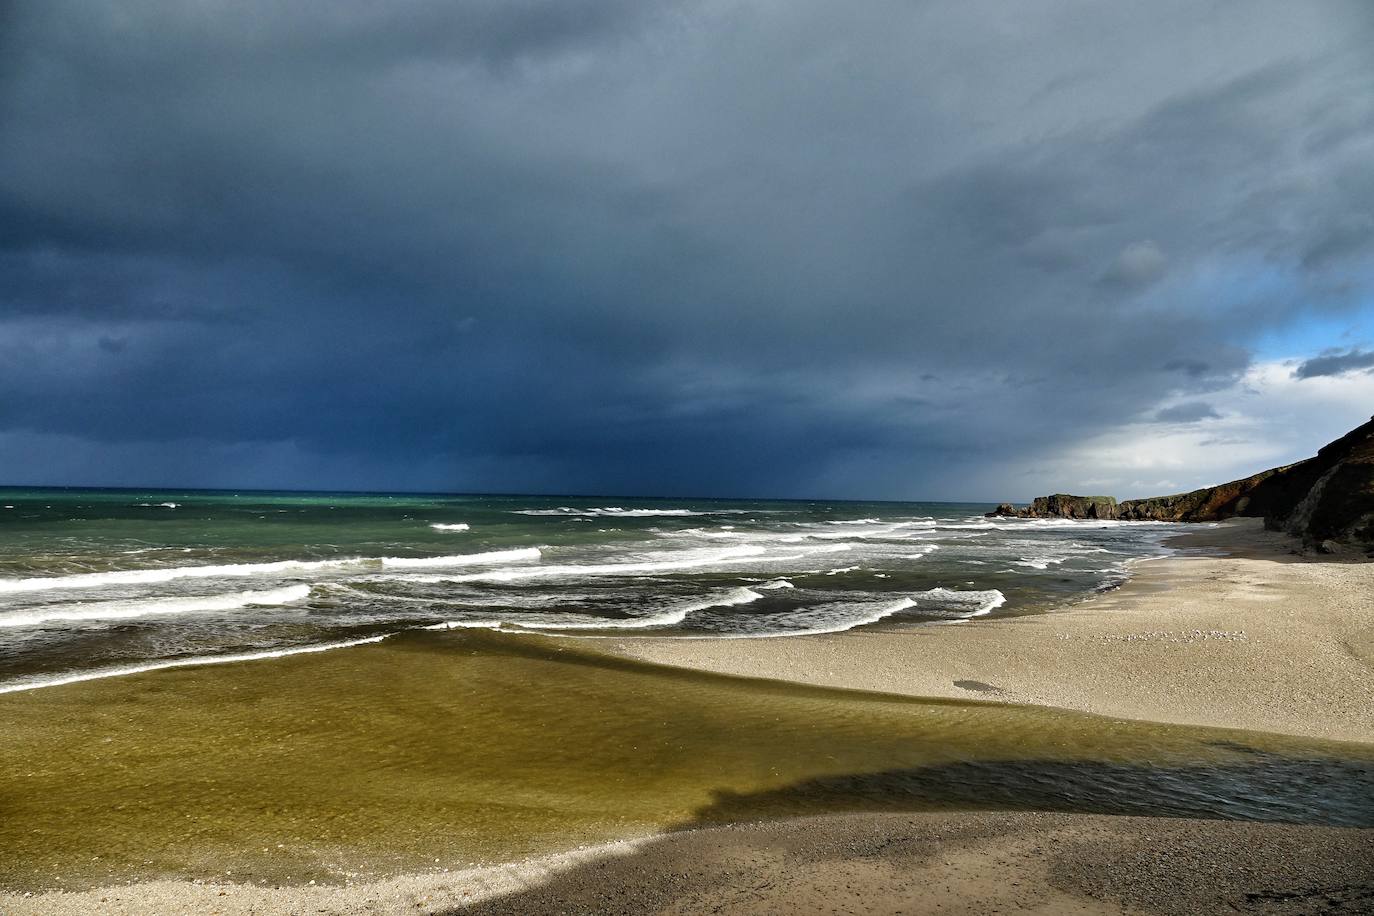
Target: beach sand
[
  {"x": 881, "y": 864},
  {"x": 1260, "y": 640}
]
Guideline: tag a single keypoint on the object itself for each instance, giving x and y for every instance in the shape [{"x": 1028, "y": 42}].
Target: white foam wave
[
  {"x": 492, "y": 624},
  {"x": 281, "y": 567},
  {"x": 458, "y": 526},
  {"x": 874, "y": 529},
  {"x": 777, "y": 583},
  {"x": 1042, "y": 562},
  {"x": 465, "y": 559},
  {"x": 60, "y": 680},
  {"x": 128, "y": 610},
  {"x": 667, "y": 618},
  {"x": 618, "y": 512},
  {"x": 1011, "y": 523},
  {"x": 981, "y": 602},
  {"x": 835, "y": 618},
  {"x": 695, "y": 560},
  {"x": 925, "y": 551},
  {"x": 726, "y": 532}
]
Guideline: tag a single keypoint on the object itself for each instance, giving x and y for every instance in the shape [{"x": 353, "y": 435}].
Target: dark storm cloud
[
  {"x": 1336, "y": 363},
  {"x": 659, "y": 247},
  {"x": 1189, "y": 412}
]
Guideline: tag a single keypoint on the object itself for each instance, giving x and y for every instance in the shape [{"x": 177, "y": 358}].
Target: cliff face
[
  {"x": 1062, "y": 505},
  {"x": 1338, "y": 504},
  {"x": 1325, "y": 500}
]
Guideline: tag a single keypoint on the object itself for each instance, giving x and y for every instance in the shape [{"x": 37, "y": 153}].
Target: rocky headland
[{"x": 1326, "y": 500}]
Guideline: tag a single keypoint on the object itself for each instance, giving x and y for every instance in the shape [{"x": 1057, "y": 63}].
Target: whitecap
[
  {"x": 469, "y": 559},
  {"x": 981, "y": 602},
  {"x": 681, "y": 560},
  {"x": 280, "y": 567},
  {"x": 777, "y": 583},
  {"x": 610, "y": 511},
  {"x": 128, "y": 610},
  {"x": 830, "y": 618},
  {"x": 457, "y": 526},
  {"x": 555, "y": 622},
  {"x": 1042, "y": 562}
]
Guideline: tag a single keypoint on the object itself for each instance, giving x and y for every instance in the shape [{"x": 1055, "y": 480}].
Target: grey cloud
[
  {"x": 1139, "y": 264},
  {"x": 1352, "y": 235},
  {"x": 1188, "y": 412},
  {"x": 1195, "y": 368},
  {"x": 1336, "y": 362}
]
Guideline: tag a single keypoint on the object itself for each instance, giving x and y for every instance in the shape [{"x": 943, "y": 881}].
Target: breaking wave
[
  {"x": 281, "y": 567},
  {"x": 617, "y": 512},
  {"x": 147, "y": 607},
  {"x": 824, "y": 619},
  {"x": 666, "y": 618},
  {"x": 697, "y": 560},
  {"x": 978, "y": 602}
]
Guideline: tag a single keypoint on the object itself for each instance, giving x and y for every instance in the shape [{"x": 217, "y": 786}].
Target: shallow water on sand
[{"x": 435, "y": 749}]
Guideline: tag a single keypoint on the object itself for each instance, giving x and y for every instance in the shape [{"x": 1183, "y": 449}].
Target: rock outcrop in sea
[{"x": 1327, "y": 500}]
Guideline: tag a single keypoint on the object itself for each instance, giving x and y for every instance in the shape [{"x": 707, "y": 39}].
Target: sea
[{"x": 102, "y": 582}]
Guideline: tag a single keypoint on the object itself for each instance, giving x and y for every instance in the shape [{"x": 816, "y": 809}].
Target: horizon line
[{"x": 494, "y": 494}]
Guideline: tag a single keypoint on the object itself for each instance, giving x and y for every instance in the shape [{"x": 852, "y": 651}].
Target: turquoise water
[{"x": 97, "y": 581}]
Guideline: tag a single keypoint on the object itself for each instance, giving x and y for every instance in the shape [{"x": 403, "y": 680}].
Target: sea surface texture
[{"x": 96, "y": 583}]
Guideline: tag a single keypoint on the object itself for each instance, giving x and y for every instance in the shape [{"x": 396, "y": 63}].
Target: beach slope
[{"x": 1236, "y": 631}]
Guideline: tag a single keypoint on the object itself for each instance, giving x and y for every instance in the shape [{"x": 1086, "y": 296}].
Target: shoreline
[
  {"x": 1259, "y": 639},
  {"x": 1108, "y": 655}
]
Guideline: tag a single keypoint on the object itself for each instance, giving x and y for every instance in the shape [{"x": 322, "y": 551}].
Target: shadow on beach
[{"x": 1267, "y": 835}]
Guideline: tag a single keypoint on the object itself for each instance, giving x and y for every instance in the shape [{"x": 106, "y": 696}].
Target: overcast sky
[{"x": 958, "y": 250}]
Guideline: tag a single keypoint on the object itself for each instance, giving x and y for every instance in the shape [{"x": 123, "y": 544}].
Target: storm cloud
[
  {"x": 717, "y": 248},
  {"x": 1336, "y": 362},
  {"x": 1190, "y": 412}
]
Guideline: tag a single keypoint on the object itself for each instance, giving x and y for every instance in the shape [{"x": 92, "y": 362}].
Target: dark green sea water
[{"x": 96, "y": 581}]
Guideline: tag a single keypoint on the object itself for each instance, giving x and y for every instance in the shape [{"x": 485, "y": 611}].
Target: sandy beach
[
  {"x": 886, "y": 864},
  {"x": 1260, "y": 638}
]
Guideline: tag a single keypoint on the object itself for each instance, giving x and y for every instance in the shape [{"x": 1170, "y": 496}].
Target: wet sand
[
  {"x": 881, "y": 864},
  {"x": 1259, "y": 639}
]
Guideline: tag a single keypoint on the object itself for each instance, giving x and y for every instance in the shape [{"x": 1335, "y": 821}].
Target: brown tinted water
[{"x": 438, "y": 749}]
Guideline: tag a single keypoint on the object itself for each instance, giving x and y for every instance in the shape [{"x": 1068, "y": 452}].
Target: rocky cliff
[{"x": 1326, "y": 500}]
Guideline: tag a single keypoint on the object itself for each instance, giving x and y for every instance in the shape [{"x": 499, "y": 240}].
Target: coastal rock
[
  {"x": 1062, "y": 505},
  {"x": 1327, "y": 500},
  {"x": 1339, "y": 505}
]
